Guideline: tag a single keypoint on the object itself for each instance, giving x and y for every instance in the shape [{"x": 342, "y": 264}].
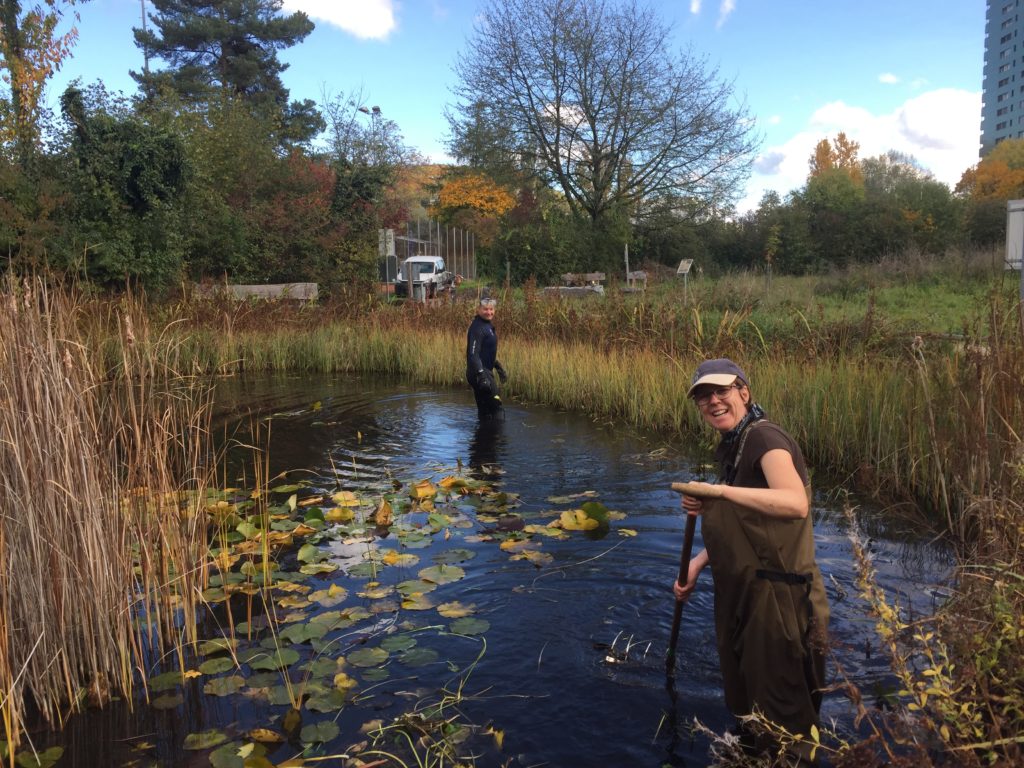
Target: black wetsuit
[{"x": 481, "y": 359}]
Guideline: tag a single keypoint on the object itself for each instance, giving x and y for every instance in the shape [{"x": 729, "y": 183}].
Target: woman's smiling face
[{"x": 723, "y": 407}]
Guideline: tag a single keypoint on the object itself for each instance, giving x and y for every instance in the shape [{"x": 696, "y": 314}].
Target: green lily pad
[
  {"x": 376, "y": 674},
  {"x": 397, "y": 643},
  {"x": 216, "y": 666},
  {"x": 416, "y": 587},
  {"x": 217, "y": 645},
  {"x": 366, "y": 570},
  {"x": 287, "y": 488},
  {"x": 230, "y": 755},
  {"x": 321, "y": 732},
  {"x": 205, "y": 739},
  {"x": 442, "y": 574},
  {"x": 285, "y": 657},
  {"x": 303, "y": 633},
  {"x": 451, "y": 556},
  {"x": 327, "y": 701},
  {"x": 45, "y": 759},
  {"x": 367, "y": 657},
  {"x": 224, "y": 686},
  {"x": 317, "y": 569},
  {"x": 595, "y": 510},
  {"x": 165, "y": 681},
  {"x": 469, "y": 626},
  {"x": 310, "y": 553}
]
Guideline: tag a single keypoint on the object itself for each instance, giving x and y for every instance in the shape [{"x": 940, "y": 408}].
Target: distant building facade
[{"x": 1002, "y": 108}]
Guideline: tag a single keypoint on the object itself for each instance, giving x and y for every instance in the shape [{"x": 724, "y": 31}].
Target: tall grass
[{"x": 100, "y": 548}]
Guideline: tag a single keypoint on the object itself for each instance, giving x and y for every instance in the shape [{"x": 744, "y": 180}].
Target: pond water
[{"x": 571, "y": 667}]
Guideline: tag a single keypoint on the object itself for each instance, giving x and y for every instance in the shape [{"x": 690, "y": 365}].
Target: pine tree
[{"x": 229, "y": 48}]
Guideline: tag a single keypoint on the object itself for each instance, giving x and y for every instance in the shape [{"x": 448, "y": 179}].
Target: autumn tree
[
  {"x": 473, "y": 201},
  {"x": 840, "y": 153},
  {"x": 32, "y": 51},
  {"x": 986, "y": 187},
  {"x": 227, "y": 48},
  {"x": 589, "y": 96}
]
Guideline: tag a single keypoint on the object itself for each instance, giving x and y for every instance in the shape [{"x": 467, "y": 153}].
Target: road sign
[
  {"x": 386, "y": 242},
  {"x": 684, "y": 267}
]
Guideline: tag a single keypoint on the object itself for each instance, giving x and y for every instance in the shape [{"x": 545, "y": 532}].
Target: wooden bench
[
  {"x": 636, "y": 281},
  {"x": 578, "y": 284},
  {"x": 293, "y": 291},
  {"x": 580, "y": 279}
]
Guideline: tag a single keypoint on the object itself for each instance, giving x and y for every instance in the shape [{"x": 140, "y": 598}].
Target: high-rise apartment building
[{"x": 1002, "y": 86}]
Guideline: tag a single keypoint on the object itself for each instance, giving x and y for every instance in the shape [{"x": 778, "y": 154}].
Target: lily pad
[
  {"x": 469, "y": 626},
  {"x": 224, "y": 686},
  {"x": 45, "y": 759},
  {"x": 205, "y": 739},
  {"x": 367, "y": 657},
  {"x": 442, "y": 574},
  {"x": 316, "y": 733},
  {"x": 216, "y": 666},
  {"x": 397, "y": 643},
  {"x": 451, "y": 556},
  {"x": 326, "y": 701},
  {"x": 455, "y": 610},
  {"x": 165, "y": 681},
  {"x": 330, "y": 597},
  {"x": 285, "y": 657}
]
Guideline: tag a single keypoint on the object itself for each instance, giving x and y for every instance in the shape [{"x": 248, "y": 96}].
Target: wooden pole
[{"x": 684, "y": 571}]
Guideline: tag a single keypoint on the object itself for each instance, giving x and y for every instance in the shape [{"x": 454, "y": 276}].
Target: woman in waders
[{"x": 771, "y": 612}]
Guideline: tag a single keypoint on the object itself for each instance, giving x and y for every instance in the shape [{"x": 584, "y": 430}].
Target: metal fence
[{"x": 455, "y": 245}]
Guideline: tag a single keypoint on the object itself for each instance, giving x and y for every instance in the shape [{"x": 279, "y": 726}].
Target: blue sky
[{"x": 892, "y": 74}]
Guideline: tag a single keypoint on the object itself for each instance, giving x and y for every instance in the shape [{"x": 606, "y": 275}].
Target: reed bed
[{"x": 101, "y": 479}]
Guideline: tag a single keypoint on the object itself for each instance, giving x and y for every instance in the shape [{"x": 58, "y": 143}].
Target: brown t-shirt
[{"x": 761, "y": 436}]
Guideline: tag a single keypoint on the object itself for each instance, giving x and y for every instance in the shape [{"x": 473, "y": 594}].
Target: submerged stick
[{"x": 684, "y": 570}]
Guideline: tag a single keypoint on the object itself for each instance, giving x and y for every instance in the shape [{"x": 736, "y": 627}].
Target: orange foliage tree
[
  {"x": 999, "y": 175},
  {"x": 473, "y": 201},
  {"x": 839, "y": 154}
]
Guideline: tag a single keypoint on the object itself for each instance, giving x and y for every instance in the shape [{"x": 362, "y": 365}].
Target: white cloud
[
  {"x": 725, "y": 10},
  {"x": 940, "y": 128},
  {"x": 888, "y": 78},
  {"x": 366, "y": 19},
  {"x": 694, "y": 6},
  {"x": 774, "y": 119}
]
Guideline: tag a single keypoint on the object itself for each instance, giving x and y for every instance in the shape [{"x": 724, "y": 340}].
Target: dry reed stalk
[{"x": 92, "y": 464}]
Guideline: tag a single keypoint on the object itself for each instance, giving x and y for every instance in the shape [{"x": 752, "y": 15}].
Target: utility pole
[{"x": 145, "y": 49}]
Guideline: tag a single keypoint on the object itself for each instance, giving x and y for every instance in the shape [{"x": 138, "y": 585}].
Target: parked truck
[{"x": 426, "y": 275}]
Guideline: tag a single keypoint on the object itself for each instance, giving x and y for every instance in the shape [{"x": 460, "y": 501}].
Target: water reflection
[{"x": 487, "y": 446}]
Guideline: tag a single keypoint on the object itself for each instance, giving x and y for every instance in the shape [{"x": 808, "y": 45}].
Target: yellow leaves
[
  {"x": 343, "y": 682},
  {"x": 451, "y": 481},
  {"x": 383, "y": 515},
  {"x": 339, "y": 515},
  {"x": 345, "y": 499},
  {"x": 424, "y": 489},
  {"x": 577, "y": 520},
  {"x": 476, "y": 192},
  {"x": 539, "y": 559},
  {"x": 394, "y": 557},
  {"x": 455, "y": 610},
  {"x": 265, "y": 736}
]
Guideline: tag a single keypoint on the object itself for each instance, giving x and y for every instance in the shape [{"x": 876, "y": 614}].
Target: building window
[
  {"x": 1001, "y": 112},
  {"x": 1004, "y": 67},
  {"x": 1004, "y": 81},
  {"x": 1006, "y": 38},
  {"x": 1001, "y": 126}
]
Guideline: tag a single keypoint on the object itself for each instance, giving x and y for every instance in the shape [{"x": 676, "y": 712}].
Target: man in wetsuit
[{"x": 482, "y": 360}]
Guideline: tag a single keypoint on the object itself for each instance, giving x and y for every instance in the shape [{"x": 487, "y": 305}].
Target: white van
[{"x": 428, "y": 274}]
